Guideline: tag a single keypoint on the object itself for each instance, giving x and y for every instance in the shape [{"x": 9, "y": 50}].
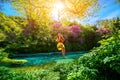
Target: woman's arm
[{"x": 63, "y": 39}]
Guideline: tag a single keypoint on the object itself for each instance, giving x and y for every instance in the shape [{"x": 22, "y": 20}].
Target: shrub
[{"x": 101, "y": 63}]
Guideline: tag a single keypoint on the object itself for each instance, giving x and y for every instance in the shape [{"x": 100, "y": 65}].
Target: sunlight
[{"x": 57, "y": 8}]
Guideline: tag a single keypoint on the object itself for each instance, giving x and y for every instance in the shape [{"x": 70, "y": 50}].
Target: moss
[{"x": 6, "y": 60}]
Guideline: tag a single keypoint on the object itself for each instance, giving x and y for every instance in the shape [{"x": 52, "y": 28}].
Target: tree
[
  {"x": 118, "y": 0},
  {"x": 37, "y": 10},
  {"x": 80, "y": 8},
  {"x": 42, "y": 10}
]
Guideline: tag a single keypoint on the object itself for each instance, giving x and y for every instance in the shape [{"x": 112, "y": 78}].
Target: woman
[{"x": 60, "y": 45}]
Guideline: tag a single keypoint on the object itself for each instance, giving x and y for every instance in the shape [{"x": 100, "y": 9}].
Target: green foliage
[
  {"x": 82, "y": 74},
  {"x": 101, "y": 63},
  {"x": 90, "y": 37},
  {"x": 2, "y": 54},
  {"x": 8, "y": 74},
  {"x": 22, "y": 35},
  {"x": 4, "y": 60},
  {"x": 2, "y": 37},
  {"x": 13, "y": 61},
  {"x": 63, "y": 69}
]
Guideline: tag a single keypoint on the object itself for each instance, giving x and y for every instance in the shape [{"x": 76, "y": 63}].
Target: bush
[
  {"x": 2, "y": 54},
  {"x": 101, "y": 63}
]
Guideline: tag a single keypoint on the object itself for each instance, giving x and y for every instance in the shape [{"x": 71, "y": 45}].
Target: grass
[
  {"x": 42, "y": 72},
  {"x": 34, "y": 67}
]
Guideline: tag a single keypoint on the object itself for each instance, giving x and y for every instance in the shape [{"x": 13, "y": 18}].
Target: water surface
[{"x": 41, "y": 58}]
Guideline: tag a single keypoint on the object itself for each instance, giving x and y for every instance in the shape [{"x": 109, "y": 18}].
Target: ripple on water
[{"x": 51, "y": 57}]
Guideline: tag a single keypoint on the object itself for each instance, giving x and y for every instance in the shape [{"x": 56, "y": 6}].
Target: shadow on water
[{"x": 43, "y": 58}]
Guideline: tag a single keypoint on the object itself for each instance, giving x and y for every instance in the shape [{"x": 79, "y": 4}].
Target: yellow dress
[{"x": 59, "y": 45}]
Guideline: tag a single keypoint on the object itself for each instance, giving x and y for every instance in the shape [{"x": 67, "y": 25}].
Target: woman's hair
[{"x": 59, "y": 34}]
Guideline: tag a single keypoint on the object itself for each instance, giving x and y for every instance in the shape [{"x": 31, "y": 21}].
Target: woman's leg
[{"x": 63, "y": 51}]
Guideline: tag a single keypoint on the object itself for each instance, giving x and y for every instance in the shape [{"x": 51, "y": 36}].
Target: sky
[
  {"x": 8, "y": 10},
  {"x": 110, "y": 10}
]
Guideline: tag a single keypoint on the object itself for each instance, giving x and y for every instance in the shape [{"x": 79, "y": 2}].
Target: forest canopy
[{"x": 63, "y": 9}]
